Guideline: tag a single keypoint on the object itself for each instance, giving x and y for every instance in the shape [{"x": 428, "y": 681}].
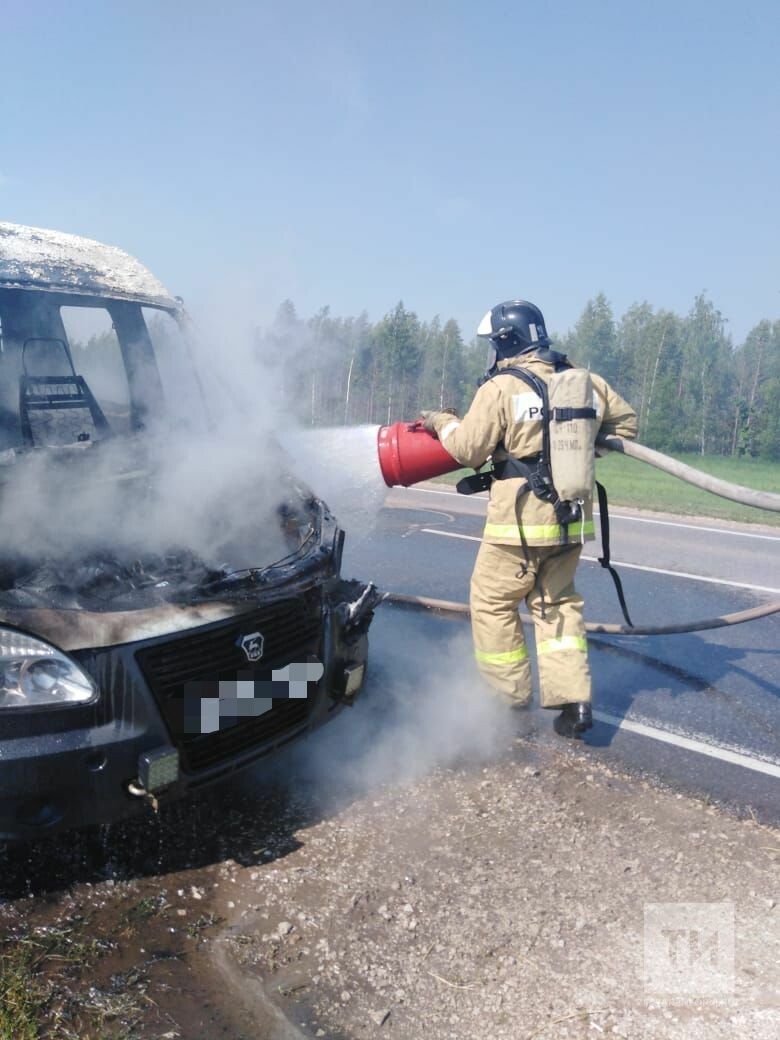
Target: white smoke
[
  {"x": 424, "y": 707},
  {"x": 209, "y": 479}
]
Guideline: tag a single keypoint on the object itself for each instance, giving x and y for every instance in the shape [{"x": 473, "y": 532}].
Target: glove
[{"x": 428, "y": 418}]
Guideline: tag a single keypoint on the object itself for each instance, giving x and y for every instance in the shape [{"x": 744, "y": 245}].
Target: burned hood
[
  {"x": 84, "y": 629},
  {"x": 78, "y": 582},
  {"x": 59, "y": 615}
]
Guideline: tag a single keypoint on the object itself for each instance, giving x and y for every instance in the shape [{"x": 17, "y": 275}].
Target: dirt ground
[{"x": 500, "y": 899}]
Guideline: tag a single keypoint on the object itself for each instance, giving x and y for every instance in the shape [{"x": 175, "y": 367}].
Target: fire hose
[
  {"x": 735, "y": 492},
  {"x": 451, "y": 609}
]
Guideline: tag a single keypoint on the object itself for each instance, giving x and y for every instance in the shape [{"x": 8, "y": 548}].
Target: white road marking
[
  {"x": 666, "y": 736},
  {"x": 452, "y": 494},
  {"x": 631, "y": 566},
  {"x": 634, "y": 519},
  {"x": 690, "y": 577},
  {"x": 450, "y": 534},
  {"x": 694, "y": 527}
]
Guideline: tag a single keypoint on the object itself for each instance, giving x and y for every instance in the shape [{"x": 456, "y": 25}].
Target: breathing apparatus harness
[{"x": 537, "y": 471}]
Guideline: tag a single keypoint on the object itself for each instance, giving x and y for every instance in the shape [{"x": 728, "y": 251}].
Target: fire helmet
[{"x": 514, "y": 327}]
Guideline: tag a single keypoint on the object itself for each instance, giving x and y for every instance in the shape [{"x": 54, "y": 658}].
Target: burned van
[{"x": 171, "y": 608}]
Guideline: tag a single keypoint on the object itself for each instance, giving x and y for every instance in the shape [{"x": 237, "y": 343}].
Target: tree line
[{"x": 694, "y": 390}]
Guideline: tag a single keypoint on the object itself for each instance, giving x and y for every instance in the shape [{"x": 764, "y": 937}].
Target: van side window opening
[
  {"x": 97, "y": 357},
  {"x": 41, "y": 401},
  {"x": 9, "y": 418},
  {"x": 184, "y": 394}
]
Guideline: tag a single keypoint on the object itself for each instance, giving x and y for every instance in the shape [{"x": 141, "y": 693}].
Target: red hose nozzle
[{"x": 408, "y": 453}]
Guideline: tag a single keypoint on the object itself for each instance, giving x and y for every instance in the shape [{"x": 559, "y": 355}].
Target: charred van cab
[{"x": 134, "y": 664}]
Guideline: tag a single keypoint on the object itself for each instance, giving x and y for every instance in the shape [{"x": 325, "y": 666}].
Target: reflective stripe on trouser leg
[
  {"x": 499, "y": 643},
  {"x": 561, "y": 646}
]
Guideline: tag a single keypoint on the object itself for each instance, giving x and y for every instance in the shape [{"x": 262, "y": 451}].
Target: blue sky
[{"x": 450, "y": 154}]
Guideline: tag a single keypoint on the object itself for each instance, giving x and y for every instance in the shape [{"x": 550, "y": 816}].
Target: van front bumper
[{"x": 80, "y": 766}]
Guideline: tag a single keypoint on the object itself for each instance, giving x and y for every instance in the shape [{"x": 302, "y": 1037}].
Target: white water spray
[{"x": 340, "y": 464}]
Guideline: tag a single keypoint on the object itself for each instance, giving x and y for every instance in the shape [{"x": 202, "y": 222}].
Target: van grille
[{"x": 291, "y": 632}]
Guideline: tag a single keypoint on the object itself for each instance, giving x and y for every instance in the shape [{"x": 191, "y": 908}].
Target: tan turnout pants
[{"x": 502, "y": 579}]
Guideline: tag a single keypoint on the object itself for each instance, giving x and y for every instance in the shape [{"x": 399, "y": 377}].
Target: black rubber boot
[{"x": 574, "y": 720}]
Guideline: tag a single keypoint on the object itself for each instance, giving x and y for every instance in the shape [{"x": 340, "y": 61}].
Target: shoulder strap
[
  {"x": 604, "y": 560},
  {"x": 540, "y": 389}
]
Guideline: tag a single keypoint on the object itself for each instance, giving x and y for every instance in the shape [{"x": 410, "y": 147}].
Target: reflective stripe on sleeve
[
  {"x": 551, "y": 646},
  {"x": 448, "y": 429},
  {"x": 507, "y": 657},
  {"x": 545, "y": 531}
]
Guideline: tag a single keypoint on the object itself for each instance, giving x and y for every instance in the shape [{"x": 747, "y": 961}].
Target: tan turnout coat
[{"x": 505, "y": 411}]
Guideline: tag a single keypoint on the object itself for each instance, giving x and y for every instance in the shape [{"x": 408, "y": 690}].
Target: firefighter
[{"x": 526, "y": 553}]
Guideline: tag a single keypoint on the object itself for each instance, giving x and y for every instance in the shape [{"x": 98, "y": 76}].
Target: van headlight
[{"x": 34, "y": 674}]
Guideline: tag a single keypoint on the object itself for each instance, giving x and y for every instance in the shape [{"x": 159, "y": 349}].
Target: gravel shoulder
[
  {"x": 505, "y": 900},
  {"x": 500, "y": 896}
]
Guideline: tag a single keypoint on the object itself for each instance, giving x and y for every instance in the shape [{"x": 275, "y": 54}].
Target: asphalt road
[{"x": 700, "y": 713}]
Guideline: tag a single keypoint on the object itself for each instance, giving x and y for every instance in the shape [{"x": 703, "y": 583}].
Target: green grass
[
  {"x": 27, "y": 990},
  {"x": 22, "y": 995},
  {"x": 632, "y": 483},
  {"x": 45, "y": 978}
]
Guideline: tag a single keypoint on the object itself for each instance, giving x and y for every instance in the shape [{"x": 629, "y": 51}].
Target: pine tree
[
  {"x": 706, "y": 379},
  {"x": 595, "y": 343}
]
